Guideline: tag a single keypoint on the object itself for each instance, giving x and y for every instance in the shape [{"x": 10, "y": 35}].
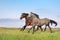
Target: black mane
[
  {"x": 25, "y": 13},
  {"x": 35, "y": 15}
]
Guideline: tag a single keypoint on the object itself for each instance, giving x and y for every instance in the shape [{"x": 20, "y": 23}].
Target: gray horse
[{"x": 40, "y": 22}]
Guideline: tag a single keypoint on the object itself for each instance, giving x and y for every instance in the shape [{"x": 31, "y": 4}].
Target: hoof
[
  {"x": 32, "y": 32},
  {"x": 22, "y": 29},
  {"x": 28, "y": 31},
  {"x": 51, "y": 32}
]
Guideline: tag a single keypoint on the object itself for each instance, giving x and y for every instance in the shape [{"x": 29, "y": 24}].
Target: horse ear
[
  {"x": 25, "y": 13},
  {"x": 31, "y": 12}
]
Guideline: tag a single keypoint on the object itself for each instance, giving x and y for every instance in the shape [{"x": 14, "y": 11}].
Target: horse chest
[{"x": 28, "y": 22}]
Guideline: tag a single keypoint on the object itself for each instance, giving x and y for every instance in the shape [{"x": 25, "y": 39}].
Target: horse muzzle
[{"x": 20, "y": 17}]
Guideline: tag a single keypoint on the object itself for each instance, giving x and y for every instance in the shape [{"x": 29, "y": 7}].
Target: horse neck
[
  {"x": 34, "y": 17},
  {"x": 26, "y": 17},
  {"x": 39, "y": 18}
]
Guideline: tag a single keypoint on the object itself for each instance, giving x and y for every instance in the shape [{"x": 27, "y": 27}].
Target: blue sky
[
  {"x": 44, "y": 8},
  {"x": 13, "y": 8}
]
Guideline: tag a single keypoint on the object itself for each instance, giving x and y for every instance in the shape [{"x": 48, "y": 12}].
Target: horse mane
[
  {"x": 35, "y": 15},
  {"x": 26, "y": 13}
]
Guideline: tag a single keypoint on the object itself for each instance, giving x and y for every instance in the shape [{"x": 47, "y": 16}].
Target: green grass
[{"x": 16, "y": 34}]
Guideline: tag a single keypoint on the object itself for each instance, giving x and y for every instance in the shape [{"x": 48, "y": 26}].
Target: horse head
[{"x": 24, "y": 15}]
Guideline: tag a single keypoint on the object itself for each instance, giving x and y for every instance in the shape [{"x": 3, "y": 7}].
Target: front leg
[
  {"x": 29, "y": 29},
  {"x": 37, "y": 28},
  {"x": 33, "y": 29},
  {"x": 41, "y": 28},
  {"x": 22, "y": 29}
]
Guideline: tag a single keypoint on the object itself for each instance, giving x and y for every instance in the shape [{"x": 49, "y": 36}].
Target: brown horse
[{"x": 28, "y": 21}]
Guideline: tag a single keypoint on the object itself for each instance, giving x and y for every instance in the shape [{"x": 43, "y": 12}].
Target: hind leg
[
  {"x": 50, "y": 28},
  {"x": 45, "y": 28}
]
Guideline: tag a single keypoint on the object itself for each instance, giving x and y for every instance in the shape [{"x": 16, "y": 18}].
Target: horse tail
[{"x": 52, "y": 21}]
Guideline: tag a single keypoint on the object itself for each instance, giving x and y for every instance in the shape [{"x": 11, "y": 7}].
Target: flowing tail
[{"x": 52, "y": 21}]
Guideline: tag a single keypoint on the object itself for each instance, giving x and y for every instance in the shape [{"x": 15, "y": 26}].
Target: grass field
[{"x": 16, "y": 34}]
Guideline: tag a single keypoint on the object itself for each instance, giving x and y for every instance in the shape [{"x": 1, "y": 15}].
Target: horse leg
[
  {"x": 50, "y": 28},
  {"x": 45, "y": 28},
  {"x": 41, "y": 28},
  {"x": 37, "y": 27},
  {"x": 33, "y": 29},
  {"x": 29, "y": 29},
  {"x": 23, "y": 28}
]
